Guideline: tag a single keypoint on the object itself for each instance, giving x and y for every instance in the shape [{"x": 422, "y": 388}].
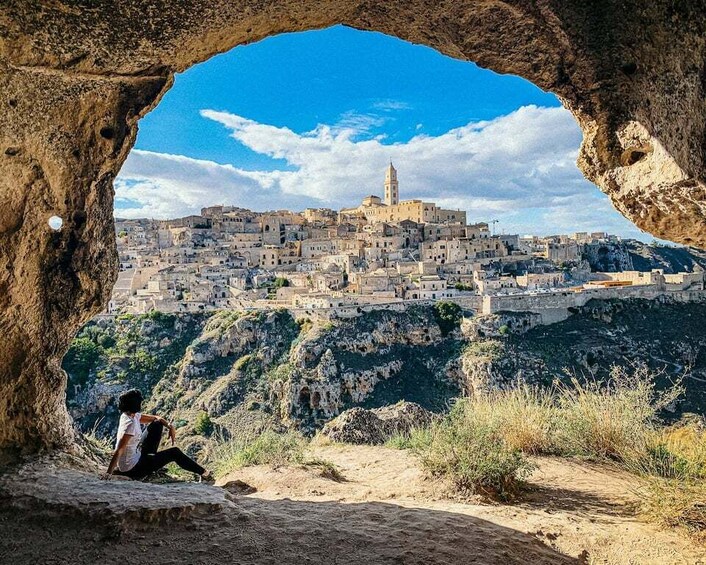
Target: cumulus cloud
[
  {"x": 519, "y": 168},
  {"x": 159, "y": 185}
]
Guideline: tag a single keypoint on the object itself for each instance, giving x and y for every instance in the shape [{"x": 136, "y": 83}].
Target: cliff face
[
  {"x": 672, "y": 259},
  {"x": 631, "y": 254},
  {"x": 669, "y": 338},
  {"x": 238, "y": 373},
  {"x": 608, "y": 257}
]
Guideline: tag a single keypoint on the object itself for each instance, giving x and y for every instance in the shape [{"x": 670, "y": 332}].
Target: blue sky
[{"x": 311, "y": 119}]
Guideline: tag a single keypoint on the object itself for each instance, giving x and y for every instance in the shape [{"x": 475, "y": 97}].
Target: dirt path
[
  {"x": 581, "y": 510},
  {"x": 384, "y": 512}
]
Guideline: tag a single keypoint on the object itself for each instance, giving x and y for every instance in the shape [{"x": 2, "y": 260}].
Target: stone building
[{"x": 394, "y": 210}]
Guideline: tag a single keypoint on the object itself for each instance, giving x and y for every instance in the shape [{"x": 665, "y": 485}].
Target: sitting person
[{"x": 136, "y": 454}]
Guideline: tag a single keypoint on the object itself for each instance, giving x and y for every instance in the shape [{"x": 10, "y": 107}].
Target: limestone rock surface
[
  {"x": 374, "y": 427},
  {"x": 122, "y": 505}
]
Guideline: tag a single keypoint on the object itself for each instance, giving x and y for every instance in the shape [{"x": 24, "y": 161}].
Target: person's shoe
[{"x": 207, "y": 478}]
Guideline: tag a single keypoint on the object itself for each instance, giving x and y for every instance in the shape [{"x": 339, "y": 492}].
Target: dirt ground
[{"x": 382, "y": 511}]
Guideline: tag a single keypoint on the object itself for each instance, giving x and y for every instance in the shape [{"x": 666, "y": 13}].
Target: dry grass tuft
[
  {"x": 268, "y": 448},
  {"x": 481, "y": 445},
  {"x": 673, "y": 503},
  {"x": 273, "y": 449}
]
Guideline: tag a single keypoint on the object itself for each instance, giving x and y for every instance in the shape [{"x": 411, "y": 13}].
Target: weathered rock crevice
[{"x": 74, "y": 82}]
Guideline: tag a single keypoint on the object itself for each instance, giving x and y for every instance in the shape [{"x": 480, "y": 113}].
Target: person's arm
[
  {"x": 116, "y": 456},
  {"x": 147, "y": 418}
]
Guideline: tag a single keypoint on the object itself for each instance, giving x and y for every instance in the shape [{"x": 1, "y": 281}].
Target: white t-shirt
[{"x": 131, "y": 454}]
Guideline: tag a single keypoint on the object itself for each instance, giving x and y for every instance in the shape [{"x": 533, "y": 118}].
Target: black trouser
[{"x": 152, "y": 460}]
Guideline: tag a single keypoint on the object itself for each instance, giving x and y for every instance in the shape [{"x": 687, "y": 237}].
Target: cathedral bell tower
[{"x": 392, "y": 187}]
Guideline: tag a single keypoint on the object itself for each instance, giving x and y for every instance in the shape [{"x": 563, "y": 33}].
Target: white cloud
[
  {"x": 159, "y": 185},
  {"x": 354, "y": 124},
  {"x": 519, "y": 168},
  {"x": 389, "y": 105}
]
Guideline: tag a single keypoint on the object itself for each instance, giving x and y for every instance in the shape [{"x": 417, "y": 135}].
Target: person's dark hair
[{"x": 130, "y": 401}]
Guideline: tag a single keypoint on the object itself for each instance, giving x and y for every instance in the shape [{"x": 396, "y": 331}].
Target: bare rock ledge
[{"x": 117, "y": 504}]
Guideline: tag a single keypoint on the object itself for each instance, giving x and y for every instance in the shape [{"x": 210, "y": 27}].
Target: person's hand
[{"x": 172, "y": 434}]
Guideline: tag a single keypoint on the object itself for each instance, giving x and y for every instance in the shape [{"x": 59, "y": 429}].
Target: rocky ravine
[
  {"x": 667, "y": 337},
  {"x": 233, "y": 373}
]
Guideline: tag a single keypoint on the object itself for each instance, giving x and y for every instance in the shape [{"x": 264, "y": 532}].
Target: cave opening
[
  {"x": 315, "y": 130},
  {"x": 73, "y": 103}
]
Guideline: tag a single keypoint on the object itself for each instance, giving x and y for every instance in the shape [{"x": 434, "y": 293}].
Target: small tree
[
  {"x": 203, "y": 425},
  {"x": 448, "y": 315},
  {"x": 83, "y": 357}
]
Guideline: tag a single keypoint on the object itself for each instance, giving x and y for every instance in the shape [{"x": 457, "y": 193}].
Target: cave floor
[{"x": 382, "y": 510}]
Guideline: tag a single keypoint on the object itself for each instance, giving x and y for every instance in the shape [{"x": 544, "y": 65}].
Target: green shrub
[
  {"x": 281, "y": 282},
  {"x": 503, "y": 330},
  {"x": 82, "y": 357},
  {"x": 106, "y": 341},
  {"x": 203, "y": 424},
  {"x": 448, "y": 315},
  {"x": 160, "y": 317},
  {"x": 180, "y": 423},
  {"x": 143, "y": 362},
  {"x": 490, "y": 348},
  {"x": 281, "y": 372},
  {"x": 472, "y": 454}
]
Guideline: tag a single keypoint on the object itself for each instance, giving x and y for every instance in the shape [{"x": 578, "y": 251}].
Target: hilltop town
[{"x": 384, "y": 252}]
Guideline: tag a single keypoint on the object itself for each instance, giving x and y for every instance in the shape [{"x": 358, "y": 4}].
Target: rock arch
[{"x": 74, "y": 81}]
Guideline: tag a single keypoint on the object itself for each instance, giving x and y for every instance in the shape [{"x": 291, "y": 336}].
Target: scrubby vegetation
[
  {"x": 448, "y": 315},
  {"x": 125, "y": 352},
  {"x": 490, "y": 349},
  {"x": 673, "y": 486},
  {"x": 203, "y": 424},
  {"x": 483, "y": 444},
  {"x": 269, "y": 448},
  {"x": 470, "y": 450}
]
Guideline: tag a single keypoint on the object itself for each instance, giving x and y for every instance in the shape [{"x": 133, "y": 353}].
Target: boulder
[{"x": 376, "y": 426}]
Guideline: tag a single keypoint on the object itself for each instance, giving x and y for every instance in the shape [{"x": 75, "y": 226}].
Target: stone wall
[{"x": 556, "y": 306}]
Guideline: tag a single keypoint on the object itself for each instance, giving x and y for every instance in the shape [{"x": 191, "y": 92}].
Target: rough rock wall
[
  {"x": 608, "y": 257},
  {"x": 62, "y": 140},
  {"x": 76, "y": 77}
]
